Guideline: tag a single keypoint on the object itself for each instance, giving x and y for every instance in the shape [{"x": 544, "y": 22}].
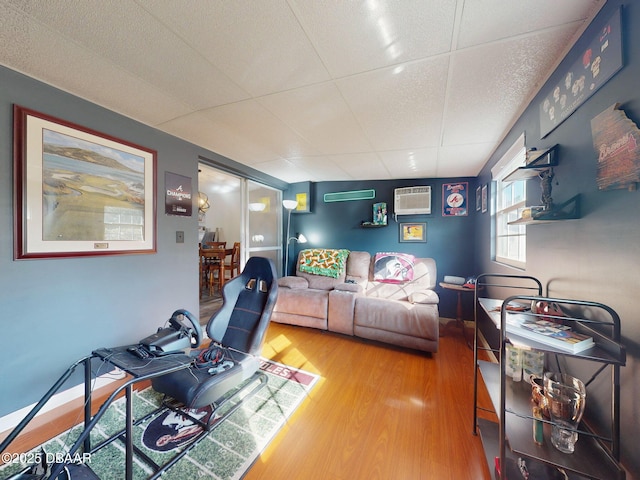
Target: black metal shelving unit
[{"x": 596, "y": 456}]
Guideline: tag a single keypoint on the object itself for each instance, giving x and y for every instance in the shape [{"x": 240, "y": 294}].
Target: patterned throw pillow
[
  {"x": 393, "y": 267},
  {"x": 323, "y": 261}
]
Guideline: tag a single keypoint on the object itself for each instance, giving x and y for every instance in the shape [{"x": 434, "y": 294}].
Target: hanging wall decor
[
  {"x": 79, "y": 192},
  {"x": 455, "y": 199},
  {"x": 616, "y": 140},
  {"x": 600, "y": 61},
  {"x": 178, "y": 195}
]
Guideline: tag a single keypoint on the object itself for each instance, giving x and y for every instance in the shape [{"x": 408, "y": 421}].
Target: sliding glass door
[
  {"x": 241, "y": 210},
  {"x": 264, "y": 222}
]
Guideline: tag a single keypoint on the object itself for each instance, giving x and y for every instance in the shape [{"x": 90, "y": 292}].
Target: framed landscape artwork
[{"x": 79, "y": 192}]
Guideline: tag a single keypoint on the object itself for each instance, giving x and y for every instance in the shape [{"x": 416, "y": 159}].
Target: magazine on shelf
[{"x": 550, "y": 333}]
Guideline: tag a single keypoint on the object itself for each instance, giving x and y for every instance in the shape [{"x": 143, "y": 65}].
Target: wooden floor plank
[{"x": 379, "y": 412}]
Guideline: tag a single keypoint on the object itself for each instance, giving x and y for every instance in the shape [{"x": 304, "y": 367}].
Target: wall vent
[{"x": 412, "y": 200}]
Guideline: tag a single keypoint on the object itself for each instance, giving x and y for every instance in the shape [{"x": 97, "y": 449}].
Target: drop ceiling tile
[
  {"x": 414, "y": 163},
  {"x": 322, "y": 168},
  {"x": 490, "y": 20},
  {"x": 319, "y": 114},
  {"x": 354, "y": 37},
  {"x": 463, "y": 160},
  {"x": 216, "y": 135},
  {"x": 362, "y": 166},
  {"x": 30, "y": 47},
  {"x": 250, "y": 127},
  {"x": 126, "y": 35},
  {"x": 487, "y": 85},
  {"x": 260, "y": 45},
  {"x": 399, "y": 107},
  {"x": 283, "y": 170}
]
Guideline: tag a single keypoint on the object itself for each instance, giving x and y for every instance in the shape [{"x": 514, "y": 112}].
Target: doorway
[{"x": 237, "y": 209}]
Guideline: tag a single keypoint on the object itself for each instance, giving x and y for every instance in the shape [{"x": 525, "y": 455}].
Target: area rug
[{"x": 226, "y": 453}]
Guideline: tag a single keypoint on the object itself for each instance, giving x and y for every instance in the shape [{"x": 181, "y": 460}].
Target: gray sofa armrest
[
  {"x": 428, "y": 297},
  {"x": 349, "y": 287},
  {"x": 294, "y": 283}
]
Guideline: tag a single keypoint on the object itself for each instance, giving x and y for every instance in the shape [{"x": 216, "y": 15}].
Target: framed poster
[
  {"x": 380, "y": 213},
  {"x": 178, "y": 195},
  {"x": 485, "y": 195},
  {"x": 600, "y": 61},
  {"x": 478, "y": 198},
  {"x": 79, "y": 192},
  {"x": 413, "y": 232},
  {"x": 455, "y": 199}
]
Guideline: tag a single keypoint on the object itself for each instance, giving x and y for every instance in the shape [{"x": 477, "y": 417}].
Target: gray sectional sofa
[{"x": 403, "y": 313}]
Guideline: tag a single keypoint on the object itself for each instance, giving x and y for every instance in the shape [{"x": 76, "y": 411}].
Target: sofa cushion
[
  {"x": 303, "y": 302},
  {"x": 399, "y": 317},
  {"x": 427, "y": 297},
  {"x": 358, "y": 267},
  {"x": 293, "y": 282},
  {"x": 351, "y": 287}
]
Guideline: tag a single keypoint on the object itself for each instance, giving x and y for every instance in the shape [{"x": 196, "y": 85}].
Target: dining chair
[
  {"x": 233, "y": 265},
  {"x": 209, "y": 268}
]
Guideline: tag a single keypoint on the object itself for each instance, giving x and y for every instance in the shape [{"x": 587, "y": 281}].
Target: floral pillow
[{"x": 393, "y": 267}]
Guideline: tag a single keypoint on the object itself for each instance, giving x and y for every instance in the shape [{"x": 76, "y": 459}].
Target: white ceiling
[{"x": 306, "y": 89}]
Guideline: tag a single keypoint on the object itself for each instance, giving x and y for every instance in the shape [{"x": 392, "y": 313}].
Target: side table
[{"x": 459, "y": 289}]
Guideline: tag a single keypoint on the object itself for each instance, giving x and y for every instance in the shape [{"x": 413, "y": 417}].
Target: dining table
[{"x": 211, "y": 260}]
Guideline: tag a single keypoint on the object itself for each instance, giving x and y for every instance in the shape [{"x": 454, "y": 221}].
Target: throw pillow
[
  {"x": 323, "y": 261},
  {"x": 393, "y": 267}
]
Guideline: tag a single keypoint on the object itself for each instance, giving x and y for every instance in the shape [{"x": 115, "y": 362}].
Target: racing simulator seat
[{"x": 237, "y": 333}]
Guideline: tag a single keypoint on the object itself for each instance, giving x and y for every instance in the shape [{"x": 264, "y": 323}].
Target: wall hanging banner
[
  {"x": 178, "y": 197},
  {"x": 455, "y": 199},
  {"x": 600, "y": 61}
]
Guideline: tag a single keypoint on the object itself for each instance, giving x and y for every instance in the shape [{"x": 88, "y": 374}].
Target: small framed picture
[
  {"x": 478, "y": 198},
  {"x": 485, "y": 194},
  {"x": 413, "y": 232},
  {"x": 380, "y": 213}
]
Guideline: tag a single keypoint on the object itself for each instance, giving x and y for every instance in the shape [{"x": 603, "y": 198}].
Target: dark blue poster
[
  {"x": 600, "y": 61},
  {"x": 178, "y": 198}
]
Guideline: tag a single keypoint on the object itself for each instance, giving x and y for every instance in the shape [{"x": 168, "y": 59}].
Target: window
[{"x": 510, "y": 240}]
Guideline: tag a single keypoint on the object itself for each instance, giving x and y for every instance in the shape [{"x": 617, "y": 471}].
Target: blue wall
[
  {"x": 598, "y": 256},
  {"x": 54, "y": 312},
  {"x": 337, "y": 225}
]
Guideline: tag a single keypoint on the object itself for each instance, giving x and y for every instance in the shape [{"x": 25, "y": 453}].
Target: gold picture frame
[{"x": 413, "y": 232}]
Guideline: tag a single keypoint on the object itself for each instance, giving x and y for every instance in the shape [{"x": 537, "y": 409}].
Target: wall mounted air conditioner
[{"x": 412, "y": 201}]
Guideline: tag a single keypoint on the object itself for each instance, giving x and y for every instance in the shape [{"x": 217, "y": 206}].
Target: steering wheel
[{"x": 193, "y": 331}]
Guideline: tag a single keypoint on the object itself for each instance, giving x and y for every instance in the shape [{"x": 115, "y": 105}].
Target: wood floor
[{"x": 377, "y": 413}]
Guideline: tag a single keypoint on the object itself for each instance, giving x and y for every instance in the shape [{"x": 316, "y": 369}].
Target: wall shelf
[
  {"x": 569, "y": 210},
  {"x": 537, "y": 161},
  {"x": 371, "y": 225}
]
